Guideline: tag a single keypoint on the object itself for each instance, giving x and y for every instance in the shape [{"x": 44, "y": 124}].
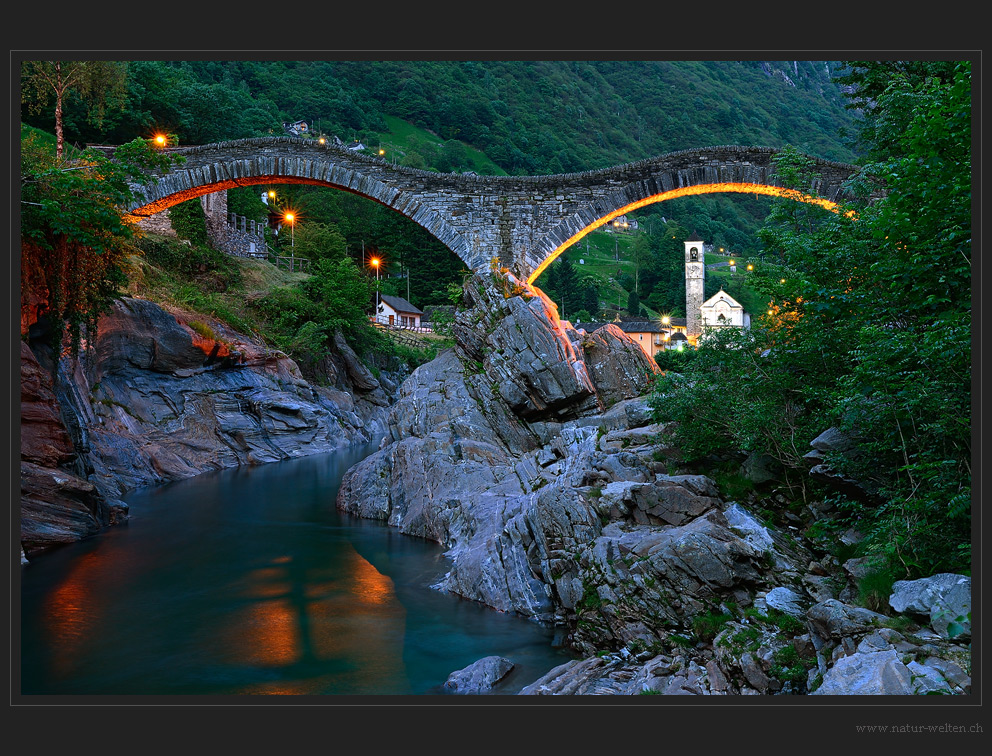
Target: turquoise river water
[{"x": 249, "y": 582}]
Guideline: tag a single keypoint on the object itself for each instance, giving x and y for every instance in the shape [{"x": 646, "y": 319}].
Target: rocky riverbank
[
  {"x": 528, "y": 451},
  {"x": 161, "y": 397}
]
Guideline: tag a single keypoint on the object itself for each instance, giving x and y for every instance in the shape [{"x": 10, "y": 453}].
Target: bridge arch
[
  {"x": 688, "y": 191},
  {"x": 524, "y": 221}
]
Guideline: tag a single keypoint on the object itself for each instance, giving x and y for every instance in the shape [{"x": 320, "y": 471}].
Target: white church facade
[{"x": 719, "y": 311}]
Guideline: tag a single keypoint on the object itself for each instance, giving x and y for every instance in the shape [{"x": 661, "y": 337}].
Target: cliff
[
  {"x": 528, "y": 451},
  {"x": 153, "y": 400}
]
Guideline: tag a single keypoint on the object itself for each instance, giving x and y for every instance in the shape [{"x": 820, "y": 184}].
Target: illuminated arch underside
[
  {"x": 164, "y": 203},
  {"x": 685, "y": 191}
]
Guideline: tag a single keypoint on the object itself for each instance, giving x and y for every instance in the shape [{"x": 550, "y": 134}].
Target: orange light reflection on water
[
  {"x": 302, "y": 625},
  {"x": 70, "y": 615}
]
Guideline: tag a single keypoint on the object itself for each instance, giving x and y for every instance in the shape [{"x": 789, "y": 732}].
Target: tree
[
  {"x": 73, "y": 236},
  {"x": 96, "y": 81},
  {"x": 634, "y": 303},
  {"x": 642, "y": 257},
  {"x": 319, "y": 241},
  {"x": 868, "y": 330}
]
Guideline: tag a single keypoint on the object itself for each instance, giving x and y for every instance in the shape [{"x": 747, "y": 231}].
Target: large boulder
[
  {"x": 479, "y": 677},
  {"x": 879, "y": 674},
  {"x": 835, "y": 619},
  {"x": 944, "y": 599}
]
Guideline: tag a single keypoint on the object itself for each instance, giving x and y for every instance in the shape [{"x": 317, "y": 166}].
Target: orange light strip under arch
[{"x": 685, "y": 191}]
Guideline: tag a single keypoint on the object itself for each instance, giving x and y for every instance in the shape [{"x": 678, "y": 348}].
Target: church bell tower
[{"x": 695, "y": 269}]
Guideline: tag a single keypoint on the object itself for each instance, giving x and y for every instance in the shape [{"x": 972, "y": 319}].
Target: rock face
[
  {"x": 58, "y": 504},
  {"x": 154, "y": 400},
  {"x": 529, "y": 452},
  {"x": 482, "y": 442}
]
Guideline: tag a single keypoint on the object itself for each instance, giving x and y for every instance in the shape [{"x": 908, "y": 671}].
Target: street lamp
[
  {"x": 375, "y": 264},
  {"x": 290, "y": 219}
]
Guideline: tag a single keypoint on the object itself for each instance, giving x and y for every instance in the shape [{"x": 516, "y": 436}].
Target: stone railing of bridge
[{"x": 521, "y": 220}]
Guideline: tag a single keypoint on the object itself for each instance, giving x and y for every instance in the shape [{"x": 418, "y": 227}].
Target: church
[{"x": 719, "y": 311}]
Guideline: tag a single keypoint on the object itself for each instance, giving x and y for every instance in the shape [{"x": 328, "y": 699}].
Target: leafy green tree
[
  {"x": 319, "y": 241},
  {"x": 74, "y": 239},
  {"x": 868, "y": 330},
  {"x": 634, "y": 303},
  {"x": 95, "y": 81}
]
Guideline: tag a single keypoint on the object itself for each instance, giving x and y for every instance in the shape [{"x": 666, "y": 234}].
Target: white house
[
  {"x": 396, "y": 311},
  {"x": 722, "y": 310}
]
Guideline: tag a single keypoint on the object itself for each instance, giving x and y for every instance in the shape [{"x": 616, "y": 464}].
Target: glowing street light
[
  {"x": 290, "y": 218},
  {"x": 750, "y": 267},
  {"x": 375, "y": 262}
]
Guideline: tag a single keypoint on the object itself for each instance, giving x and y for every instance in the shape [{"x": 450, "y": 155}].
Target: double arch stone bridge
[{"x": 524, "y": 221}]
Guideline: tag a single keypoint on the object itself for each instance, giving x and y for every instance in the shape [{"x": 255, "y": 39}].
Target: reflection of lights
[{"x": 685, "y": 191}]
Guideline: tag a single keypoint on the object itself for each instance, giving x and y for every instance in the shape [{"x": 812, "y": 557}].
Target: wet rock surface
[
  {"x": 154, "y": 400},
  {"x": 530, "y": 453}
]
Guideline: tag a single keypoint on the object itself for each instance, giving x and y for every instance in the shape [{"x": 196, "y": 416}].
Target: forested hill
[{"x": 528, "y": 117}]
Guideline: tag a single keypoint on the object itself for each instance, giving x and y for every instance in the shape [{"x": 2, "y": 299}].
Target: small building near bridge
[{"x": 397, "y": 312}]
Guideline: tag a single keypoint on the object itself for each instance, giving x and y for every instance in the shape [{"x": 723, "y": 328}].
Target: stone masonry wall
[{"x": 519, "y": 219}]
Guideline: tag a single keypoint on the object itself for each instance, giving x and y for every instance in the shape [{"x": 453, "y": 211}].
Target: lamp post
[
  {"x": 375, "y": 264},
  {"x": 291, "y": 220}
]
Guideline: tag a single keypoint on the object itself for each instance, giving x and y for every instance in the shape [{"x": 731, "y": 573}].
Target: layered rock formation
[
  {"x": 161, "y": 397},
  {"x": 529, "y": 452}
]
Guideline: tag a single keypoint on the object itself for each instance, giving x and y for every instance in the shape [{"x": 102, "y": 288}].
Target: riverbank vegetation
[{"x": 869, "y": 331}]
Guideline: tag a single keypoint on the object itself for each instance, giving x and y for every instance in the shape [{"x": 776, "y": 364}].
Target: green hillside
[{"x": 492, "y": 118}]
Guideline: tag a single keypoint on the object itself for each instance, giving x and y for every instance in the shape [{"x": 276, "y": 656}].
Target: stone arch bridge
[{"x": 524, "y": 221}]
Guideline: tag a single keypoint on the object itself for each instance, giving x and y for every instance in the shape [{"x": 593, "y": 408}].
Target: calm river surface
[{"x": 249, "y": 581}]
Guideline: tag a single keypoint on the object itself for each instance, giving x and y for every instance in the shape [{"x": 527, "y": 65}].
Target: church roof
[
  {"x": 712, "y": 301},
  {"x": 694, "y": 237}
]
